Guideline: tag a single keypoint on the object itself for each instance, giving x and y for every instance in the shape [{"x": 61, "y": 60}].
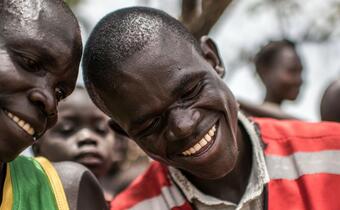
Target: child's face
[
  {"x": 38, "y": 67},
  {"x": 81, "y": 134},
  {"x": 177, "y": 108}
]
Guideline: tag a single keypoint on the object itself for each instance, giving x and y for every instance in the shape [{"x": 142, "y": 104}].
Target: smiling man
[
  {"x": 164, "y": 90},
  {"x": 40, "y": 50}
]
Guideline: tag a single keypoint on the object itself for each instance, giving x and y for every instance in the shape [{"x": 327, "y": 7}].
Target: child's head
[
  {"x": 163, "y": 89},
  {"x": 279, "y": 67},
  {"x": 82, "y": 134},
  {"x": 329, "y": 108},
  {"x": 40, "y": 50}
]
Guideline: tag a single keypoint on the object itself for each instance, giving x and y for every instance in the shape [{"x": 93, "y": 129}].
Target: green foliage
[{"x": 73, "y": 3}]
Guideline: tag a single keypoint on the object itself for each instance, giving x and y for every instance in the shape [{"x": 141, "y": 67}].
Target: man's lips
[
  {"x": 203, "y": 144},
  {"x": 89, "y": 158}
]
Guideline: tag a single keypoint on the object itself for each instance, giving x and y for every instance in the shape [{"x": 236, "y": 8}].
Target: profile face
[
  {"x": 38, "y": 67},
  {"x": 82, "y": 134},
  {"x": 176, "y": 107},
  {"x": 285, "y": 78}
]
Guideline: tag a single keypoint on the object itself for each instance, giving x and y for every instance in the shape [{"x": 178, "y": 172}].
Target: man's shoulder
[
  {"x": 275, "y": 129},
  {"x": 148, "y": 185},
  {"x": 81, "y": 187},
  {"x": 297, "y": 135}
]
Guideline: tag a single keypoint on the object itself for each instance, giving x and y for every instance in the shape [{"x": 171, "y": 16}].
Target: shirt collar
[{"x": 258, "y": 177}]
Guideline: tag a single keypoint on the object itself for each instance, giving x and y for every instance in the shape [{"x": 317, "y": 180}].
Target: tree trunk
[{"x": 199, "y": 16}]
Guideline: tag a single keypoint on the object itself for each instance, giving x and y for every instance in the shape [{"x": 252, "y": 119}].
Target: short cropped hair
[
  {"x": 268, "y": 54},
  {"x": 121, "y": 34}
]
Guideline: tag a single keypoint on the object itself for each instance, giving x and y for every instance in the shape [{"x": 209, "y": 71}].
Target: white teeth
[
  {"x": 30, "y": 131},
  {"x": 204, "y": 141},
  {"x": 21, "y": 123},
  {"x": 16, "y": 119},
  {"x": 26, "y": 127},
  {"x": 197, "y": 147}
]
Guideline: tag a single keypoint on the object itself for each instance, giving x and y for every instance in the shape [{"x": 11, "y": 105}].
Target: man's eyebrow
[
  {"x": 191, "y": 77},
  {"x": 140, "y": 120},
  {"x": 30, "y": 47}
]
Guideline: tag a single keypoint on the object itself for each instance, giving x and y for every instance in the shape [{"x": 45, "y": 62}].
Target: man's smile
[
  {"x": 21, "y": 123},
  {"x": 203, "y": 145}
]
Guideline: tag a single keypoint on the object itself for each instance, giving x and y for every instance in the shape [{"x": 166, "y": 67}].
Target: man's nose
[
  {"x": 86, "y": 137},
  {"x": 182, "y": 123},
  {"x": 45, "y": 100}
]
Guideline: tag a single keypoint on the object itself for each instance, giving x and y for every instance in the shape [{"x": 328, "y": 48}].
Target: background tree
[{"x": 199, "y": 16}]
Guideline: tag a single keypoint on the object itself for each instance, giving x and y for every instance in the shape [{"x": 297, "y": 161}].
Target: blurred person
[
  {"x": 164, "y": 89},
  {"x": 280, "y": 68},
  {"x": 82, "y": 135},
  {"x": 40, "y": 51},
  {"x": 129, "y": 162},
  {"x": 330, "y": 102}
]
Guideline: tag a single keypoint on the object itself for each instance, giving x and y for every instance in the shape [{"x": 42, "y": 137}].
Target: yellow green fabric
[
  {"x": 7, "y": 196},
  {"x": 55, "y": 182},
  {"x": 30, "y": 186}
]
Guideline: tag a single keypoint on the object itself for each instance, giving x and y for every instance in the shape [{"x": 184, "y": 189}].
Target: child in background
[{"x": 82, "y": 134}]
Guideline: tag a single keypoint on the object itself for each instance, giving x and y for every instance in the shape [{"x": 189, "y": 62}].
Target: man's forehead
[
  {"x": 25, "y": 10},
  {"x": 37, "y": 18}
]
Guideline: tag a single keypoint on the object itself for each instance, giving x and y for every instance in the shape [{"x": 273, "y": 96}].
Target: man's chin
[{"x": 8, "y": 156}]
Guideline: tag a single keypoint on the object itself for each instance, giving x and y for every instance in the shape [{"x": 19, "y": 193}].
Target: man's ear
[
  {"x": 116, "y": 128},
  {"x": 211, "y": 54}
]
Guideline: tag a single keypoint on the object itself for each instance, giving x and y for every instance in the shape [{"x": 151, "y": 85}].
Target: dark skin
[
  {"x": 82, "y": 135},
  {"x": 284, "y": 79},
  {"x": 178, "y": 95},
  {"x": 330, "y": 103},
  {"x": 40, "y": 49}
]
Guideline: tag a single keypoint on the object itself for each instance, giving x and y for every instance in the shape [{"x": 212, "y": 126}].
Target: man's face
[
  {"x": 81, "y": 134},
  {"x": 285, "y": 78},
  {"x": 177, "y": 109},
  {"x": 38, "y": 67}
]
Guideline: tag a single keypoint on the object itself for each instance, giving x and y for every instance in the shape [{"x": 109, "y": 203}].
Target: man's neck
[
  {"x": 272, "y": 98},
  {"x": 232, "y": 186}
]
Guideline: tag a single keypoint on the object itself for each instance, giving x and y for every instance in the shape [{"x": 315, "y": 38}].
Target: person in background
[
  {"x": 129, "y": 162},
  {"x": 82, "y": 134},
  {"x": 280, "y": 68},
  {"x": 330, "y": 103},
  {"x": 40, "y": 51}
]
